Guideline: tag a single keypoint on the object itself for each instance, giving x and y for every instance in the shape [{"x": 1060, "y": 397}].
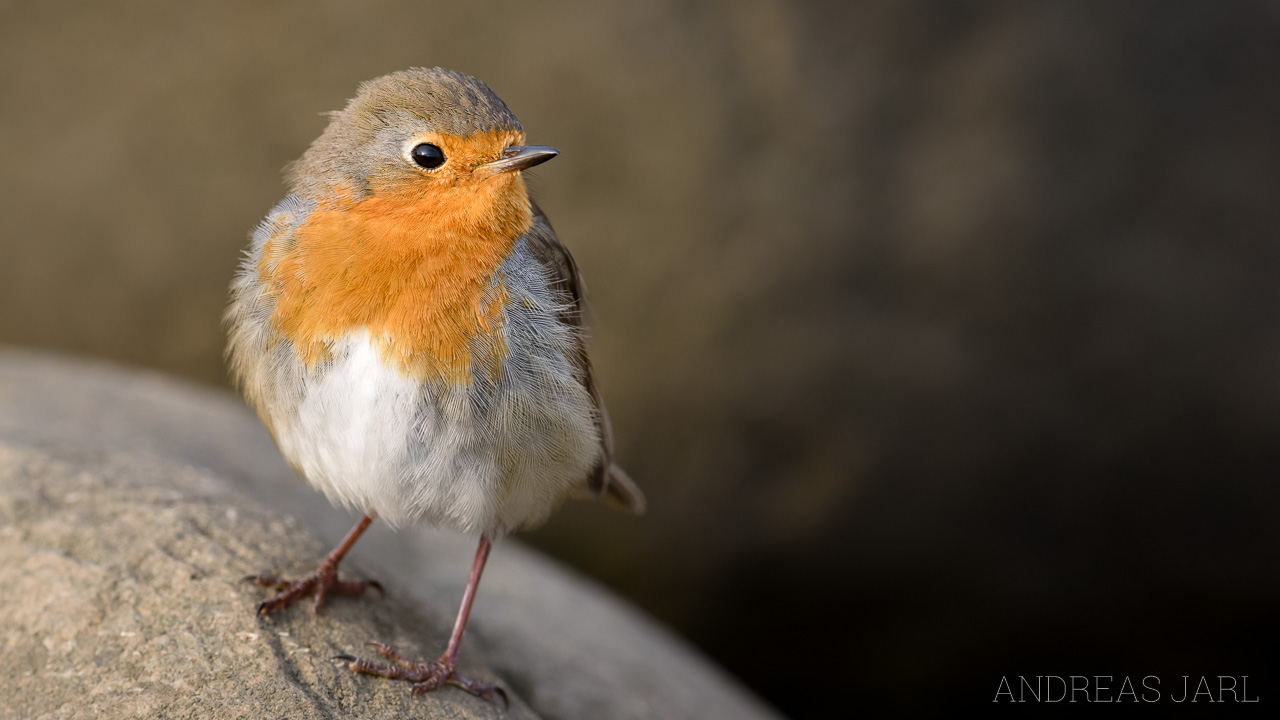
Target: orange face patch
[{"x": 413, "y": 263}]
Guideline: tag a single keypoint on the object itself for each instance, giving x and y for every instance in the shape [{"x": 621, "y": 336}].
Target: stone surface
[{"x": 132, "y": 504}]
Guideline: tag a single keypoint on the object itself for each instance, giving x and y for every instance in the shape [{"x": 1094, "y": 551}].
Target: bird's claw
[
  {"x": 425, "y": 677},
  {"x": 323, "y": 582}
]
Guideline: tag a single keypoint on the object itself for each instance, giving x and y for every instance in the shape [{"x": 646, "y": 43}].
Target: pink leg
[
  {"x": 324, "y": 581},
  {"x": 432, "y": 676}
]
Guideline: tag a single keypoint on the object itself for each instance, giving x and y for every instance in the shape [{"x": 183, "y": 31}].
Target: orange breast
[{"x": 415, "y": 269}]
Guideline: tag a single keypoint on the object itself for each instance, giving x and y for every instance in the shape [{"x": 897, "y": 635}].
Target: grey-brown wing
[{"x": 607, "y": 481}]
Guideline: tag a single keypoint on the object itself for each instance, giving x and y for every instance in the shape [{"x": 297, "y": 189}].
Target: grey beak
[{"x": 520, "y": 157}]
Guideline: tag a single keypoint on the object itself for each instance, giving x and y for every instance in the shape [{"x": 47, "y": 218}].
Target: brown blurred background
[{"x": 944, "y": 336}]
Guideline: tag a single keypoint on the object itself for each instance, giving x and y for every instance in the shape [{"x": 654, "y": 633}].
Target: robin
[{"x": 409, "y": 328}]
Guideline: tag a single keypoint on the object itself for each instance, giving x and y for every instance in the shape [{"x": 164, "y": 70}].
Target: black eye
[{"x": 428, "y": 156}]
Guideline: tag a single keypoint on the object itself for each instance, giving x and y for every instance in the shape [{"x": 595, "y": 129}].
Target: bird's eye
[{"x": 428, "y": 156}]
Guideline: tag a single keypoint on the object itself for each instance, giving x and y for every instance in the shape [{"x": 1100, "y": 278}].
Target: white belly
[
  {"x": 349, "y": 434},
  {"x": 375, "y": 439}
]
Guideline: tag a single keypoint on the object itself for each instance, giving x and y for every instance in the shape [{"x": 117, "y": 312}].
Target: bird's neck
[{"x": 419, "y": 274}]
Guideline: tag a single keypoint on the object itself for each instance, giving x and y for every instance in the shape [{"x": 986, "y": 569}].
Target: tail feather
[{"x": 619, "y": 491}]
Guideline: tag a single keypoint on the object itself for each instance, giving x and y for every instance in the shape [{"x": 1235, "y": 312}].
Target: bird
[{"x": 409, "y": 328}]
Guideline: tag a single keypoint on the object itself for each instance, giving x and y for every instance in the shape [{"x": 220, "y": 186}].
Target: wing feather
[{"x": 607, "y": 482}]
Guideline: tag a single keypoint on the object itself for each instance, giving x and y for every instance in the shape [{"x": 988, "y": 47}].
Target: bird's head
[{"x": 433, "y": 143}]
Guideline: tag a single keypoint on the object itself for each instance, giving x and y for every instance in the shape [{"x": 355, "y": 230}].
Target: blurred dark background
[{"x": 944, "y": 336}]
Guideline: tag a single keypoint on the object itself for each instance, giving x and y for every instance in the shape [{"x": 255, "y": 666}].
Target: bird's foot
[
  {"x": 424, "y": 676},
  {"x": 323, "y": 582}
]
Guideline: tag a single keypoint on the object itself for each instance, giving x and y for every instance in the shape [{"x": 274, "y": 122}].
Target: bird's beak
[{"x": 519, "y": 157}]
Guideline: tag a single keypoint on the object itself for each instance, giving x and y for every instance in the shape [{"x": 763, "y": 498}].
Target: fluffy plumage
[{"x": 413, "y": 338}]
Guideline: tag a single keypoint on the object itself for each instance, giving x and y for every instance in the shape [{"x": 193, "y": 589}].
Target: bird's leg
[
  {"x": 432, "y": 676},
  {"x": 324, "y": 581}
]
